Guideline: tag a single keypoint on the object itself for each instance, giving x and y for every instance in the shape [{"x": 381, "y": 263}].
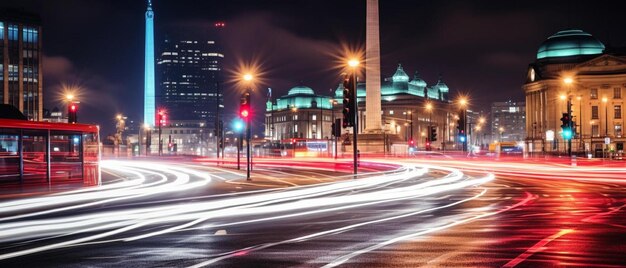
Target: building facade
[
  {"x": 21, "y": 78},
  {"x": 573, "y": 67},
  {"x": 409, "y": 108},
  {"x": 508, "y": 121},
  {"x": 299, "y": 114},
  {"x": 189, "y": 80}
]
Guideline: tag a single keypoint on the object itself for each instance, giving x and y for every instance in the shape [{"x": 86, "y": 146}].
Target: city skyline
[{"x": 493, "y": 71}]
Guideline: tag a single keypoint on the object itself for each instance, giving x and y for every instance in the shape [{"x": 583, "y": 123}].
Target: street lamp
[
  {"x": 332, "y": 108},
  {"x": 119, "y": 131},
  {"x": 248, "y": 77},
  {"x": 606, "y": 117},
  {"x": 429, "y": 108},
  {"x": 353, "y": 64}
]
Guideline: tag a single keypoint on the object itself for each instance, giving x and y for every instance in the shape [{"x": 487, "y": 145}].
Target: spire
[
  {"x": 416, "y": 76},
  {"x": 149, "y": 3}
]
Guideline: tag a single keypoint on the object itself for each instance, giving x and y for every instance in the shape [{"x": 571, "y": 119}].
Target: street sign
[
  {"x": 607, "y": 140},
  {"x": 550, "y": 135}
]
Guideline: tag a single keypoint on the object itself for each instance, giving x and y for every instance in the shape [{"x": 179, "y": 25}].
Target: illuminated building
[
  {"x": 573, "y": 66},
  {"x": 403, "y": 112},
  {"x": 149, "y": 102},
  {"x": 188, "y": 79},
  {"x": 20, "y": 62},
  {"x": 299, "y": 114},
  {"x": 508, "y": 121}
]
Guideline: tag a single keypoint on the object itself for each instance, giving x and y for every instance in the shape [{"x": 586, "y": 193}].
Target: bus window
[
  {"x": 65, "y": 157},
  {"x": 35, "y": 157},
  {"x": 91, "y": 157},
  {"x": 9, "y": 156}
]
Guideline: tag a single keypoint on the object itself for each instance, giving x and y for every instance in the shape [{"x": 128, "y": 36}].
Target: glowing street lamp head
[
  {"x": 247, "y": 77},
  {"x": 119, "y": 117},
  {"x": 353, "y": 63},
  {"x": 604, "y": 99},
  {"x": 69, "y": 97},
  {"x": 463, "y": 102},
  {"x": 568, "y": 80},
  {"x": 562, "y": 97},
  {"x": 146, "y": 126},
  {"x": 429, "y": 106},
  {"x": 481, "y": 120}
]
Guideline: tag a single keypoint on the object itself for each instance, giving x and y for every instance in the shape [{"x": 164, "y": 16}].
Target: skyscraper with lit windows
[
  {"x": 189, "y": 82},
  {"x": 20, "y": 62}
]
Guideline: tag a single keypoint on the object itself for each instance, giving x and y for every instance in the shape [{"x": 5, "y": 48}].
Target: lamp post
[
  {"x": 429, "y": 108},
  {"x": 606, "y": 124},
  {"x": 247, "y": 78},
  {"x": 294, "y": 109},
  {"x": 332, "y": 108},
  {"x": 501, "y": 130},
  {"x": 119, "y": 131},
  {"x": 354, "y": 63},
  {"x": 411, "y": 125},
  {"x": 580, "y": 126}
]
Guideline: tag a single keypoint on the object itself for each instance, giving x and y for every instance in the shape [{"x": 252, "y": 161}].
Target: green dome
[
  {"x": 301, "y": 90},
  {"x": 570, "y": 43},
  {"x": 400, "y": 75}
]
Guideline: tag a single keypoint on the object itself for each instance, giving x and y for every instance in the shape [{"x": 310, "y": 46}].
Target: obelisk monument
[
  {"x": 372, "y": 70},
  {"x": 149, "y": 95}
]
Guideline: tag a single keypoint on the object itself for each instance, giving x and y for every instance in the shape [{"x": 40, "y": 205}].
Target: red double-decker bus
[{"x": 48, "y": 154}]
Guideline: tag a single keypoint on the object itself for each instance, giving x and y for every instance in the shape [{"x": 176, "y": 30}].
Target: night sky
[{"x": 481, "y": 48}]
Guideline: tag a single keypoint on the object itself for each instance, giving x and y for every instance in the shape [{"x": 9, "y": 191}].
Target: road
[{"x": 403, "y": 213}]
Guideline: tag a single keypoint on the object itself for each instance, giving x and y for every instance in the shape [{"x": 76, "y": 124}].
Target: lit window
[
  {"x": 618, "y": 111},
  {"x": 391, "y": 112},
  {"x": 594, "y": 112},
  {"x": 314, "y": 117},
  {"x": 617, "y": 93},
  {"x": 594, "y": 93}
]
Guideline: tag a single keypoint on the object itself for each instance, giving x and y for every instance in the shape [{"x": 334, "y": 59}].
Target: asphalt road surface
[{"x": 314, "y": 214}]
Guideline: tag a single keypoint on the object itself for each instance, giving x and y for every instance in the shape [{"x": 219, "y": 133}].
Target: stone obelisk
[{"x": 372, "y": 70}]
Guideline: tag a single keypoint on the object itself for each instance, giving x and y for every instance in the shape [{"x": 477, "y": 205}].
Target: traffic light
[
  {"x": 433, "y": 134},
  {"x": 244, "y": 107},
  {"x": 162, "y": 118},
  {"x": 72, "y": 111},
  {"x": 460, "y": 126},
  {"x": 411, "y": 143},
  {"x": 348, "y": 101},
  {"x": 566, "y": 126},
  {"x": 336, "y": 127}
]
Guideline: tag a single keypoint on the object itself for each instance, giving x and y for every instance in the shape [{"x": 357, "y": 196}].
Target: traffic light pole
[
  {"x": 248, "y": 149},
  {"x": 239, "y": 143},
  {"x": 569, "y": 112},
  {"x": 356, "y": 122}
]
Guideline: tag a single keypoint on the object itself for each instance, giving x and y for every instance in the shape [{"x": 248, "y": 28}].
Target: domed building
[
  {"x": 299, "y": 114},
  {"x": 576, "y": 73},
  {"x": 303, "y": 114}
]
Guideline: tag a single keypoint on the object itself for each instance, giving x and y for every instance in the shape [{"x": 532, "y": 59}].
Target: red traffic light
[
  {"x": 412, "y": 142},
  {"x": 244, "y": 113},
  {"x": 73, "y": 107}
]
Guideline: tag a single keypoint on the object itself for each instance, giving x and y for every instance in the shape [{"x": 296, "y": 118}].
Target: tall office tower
[
  {"x": 189, "y": 74},
  {"x": 20, "y": 62}
]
